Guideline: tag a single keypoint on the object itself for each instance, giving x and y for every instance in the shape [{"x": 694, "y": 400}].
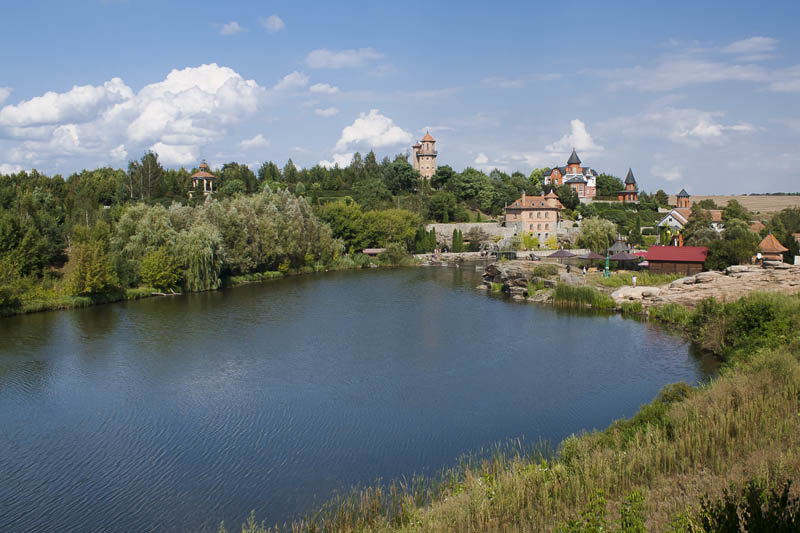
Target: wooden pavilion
[
  {"x": 202, "y": 180},
  {"x": 771, "y": 249}
]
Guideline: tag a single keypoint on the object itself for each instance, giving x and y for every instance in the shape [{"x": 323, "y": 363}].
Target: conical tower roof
[
  {"x": 428, "y": 138},
  {"x": 771, "y": 245},
  {"x": 629, "y": 179},
  {"x": 574, "y": 159},
  {"x": 683, "y": 194}
]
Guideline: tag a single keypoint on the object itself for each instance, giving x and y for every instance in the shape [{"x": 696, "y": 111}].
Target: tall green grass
[{"x": 581, "y": 296}]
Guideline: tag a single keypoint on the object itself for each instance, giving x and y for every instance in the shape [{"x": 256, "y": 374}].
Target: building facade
[
  {"x": 582, "y": 180},
  {"x": 538, "y": 215},
  {"x": 425, "y": 156}
]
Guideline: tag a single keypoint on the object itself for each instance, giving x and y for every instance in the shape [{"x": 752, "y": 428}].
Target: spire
[
  {"x": 573, "y": 159},
  {"x": 629, "y": 179},
  {"x": 428, "y": 137},
  {"x": 683, "y": 194}
]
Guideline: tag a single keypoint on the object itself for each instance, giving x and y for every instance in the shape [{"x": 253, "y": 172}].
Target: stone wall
[{"x": 444, "y": 232}]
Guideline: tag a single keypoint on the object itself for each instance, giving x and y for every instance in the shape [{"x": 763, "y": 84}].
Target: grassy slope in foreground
[{"x": 687, "y": 443}]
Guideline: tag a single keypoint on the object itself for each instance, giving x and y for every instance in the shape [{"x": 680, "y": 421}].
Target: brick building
[
  {"x": 425, "y": 156},
  {"x": 582, "y": 180}
]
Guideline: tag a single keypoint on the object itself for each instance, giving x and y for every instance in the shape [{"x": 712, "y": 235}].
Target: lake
[{"x": 171, "y": 414}]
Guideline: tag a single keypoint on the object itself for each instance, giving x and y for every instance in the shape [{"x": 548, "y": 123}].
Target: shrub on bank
[
  {"x": 545, "y": 271},
  {"x": 580, "y": 296}
]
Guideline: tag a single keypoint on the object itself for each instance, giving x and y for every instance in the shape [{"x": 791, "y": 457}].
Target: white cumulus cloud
[
  {"x": 6, "y": 168},
  {"x": 259, "y": 141},
  {"x": 119, "y": 153},
  {"x": 323, "y": 88},
  {"x": 272, "y": 23},
  {"x": 5, "y": 92},
  {"x": 325, "y": 58},
  {"x": 231, "y": 28},
  {"x": 188, "y": 109},
  {"x": 342, "y": 160},
  {"x": 578, "y": 138},
  {"x": 373, "y": 130},
  {"x": 175, "y": 154},
  {"x": 481, "y": 159},
  {"x": 329, "y": 112},
  {"x": 80, "y": 104},
  {"x": 295, "y": 80}
]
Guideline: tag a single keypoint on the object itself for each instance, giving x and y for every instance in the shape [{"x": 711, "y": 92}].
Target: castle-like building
[
  {"x": 582, "y": 180},
  {"x": 425, "y": 156}
]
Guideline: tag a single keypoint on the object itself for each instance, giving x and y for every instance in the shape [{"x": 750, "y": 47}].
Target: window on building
[
  {"x": 538, "y": 226},
  {"x": 538, "y": 214},
  {"x": 530, "y": 226}
]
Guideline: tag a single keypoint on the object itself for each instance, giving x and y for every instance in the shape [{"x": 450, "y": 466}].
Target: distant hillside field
[{"x": 757, "y": 204}]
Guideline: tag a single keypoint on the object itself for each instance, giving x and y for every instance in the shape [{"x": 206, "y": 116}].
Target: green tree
[
  {"x": 144, "y": 176},
  {"x": 536, "y": 181},
  {"x": 608, "y": 186},
  {"x": 290, "y": 172},
  {"x": 597, "y": 234},
  {"x": 706, "y": 203},
  {"x": 89, "y": 271},
  {"x": 269, "y": 171},
  {"x": 379, "y": 228},
  {"x": 345, "y": 222},
  {"x": 567, "y": 196},
  {"x": 662, "y": 198},
  {"x": 737, "y": 246},
  {"x": 442, "y": 177},
  {"x": 160, "y": 270},
  {"x": 735, "y": 211},
  {"x": 200, "y": 251},
  {"x": 699, "y": 219},
  {"x": 442, "y": 206}
]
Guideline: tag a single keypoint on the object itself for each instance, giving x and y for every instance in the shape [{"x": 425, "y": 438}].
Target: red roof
[
  {"x": 428, "y": 138},
  {"x": 678, "y": 254}
]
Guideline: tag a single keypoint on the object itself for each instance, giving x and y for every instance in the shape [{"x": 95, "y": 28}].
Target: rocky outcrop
[
  {"x": 730, "y": 285},
  {"x": 514, "y": 275}
]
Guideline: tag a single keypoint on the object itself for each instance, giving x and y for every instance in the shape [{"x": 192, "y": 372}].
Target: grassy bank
[
  {"x": 651, "y": 471},
  {"x": 51, "y": 296}
]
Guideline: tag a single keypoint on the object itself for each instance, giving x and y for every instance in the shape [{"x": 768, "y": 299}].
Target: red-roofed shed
[{"x": 686, "y": 260}]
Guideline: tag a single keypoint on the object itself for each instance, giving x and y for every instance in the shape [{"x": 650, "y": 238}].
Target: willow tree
[{"x": 201, "y": 251}]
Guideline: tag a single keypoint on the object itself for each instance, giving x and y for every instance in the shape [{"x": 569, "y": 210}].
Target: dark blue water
[{"x": 172, "y": 414}]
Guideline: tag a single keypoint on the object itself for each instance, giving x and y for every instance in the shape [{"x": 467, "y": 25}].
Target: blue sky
[{"x": 701, "y": 95}]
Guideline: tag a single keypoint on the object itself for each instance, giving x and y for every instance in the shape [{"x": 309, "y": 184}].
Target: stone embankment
[{"x": 729, "y": 285}]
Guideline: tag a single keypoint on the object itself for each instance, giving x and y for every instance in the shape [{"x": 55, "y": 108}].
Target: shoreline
[{"x": 67, "y": 302}]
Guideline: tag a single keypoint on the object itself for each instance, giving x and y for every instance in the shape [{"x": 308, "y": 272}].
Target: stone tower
[{"x": 425, "y": 156}]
